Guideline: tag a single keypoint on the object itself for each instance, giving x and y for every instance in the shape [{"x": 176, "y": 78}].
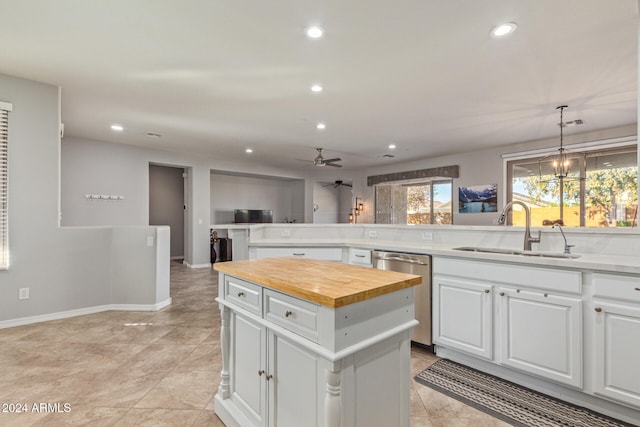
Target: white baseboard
[
  {"x": 198, "y": 265},
  {"x": 82, "y": 312}
]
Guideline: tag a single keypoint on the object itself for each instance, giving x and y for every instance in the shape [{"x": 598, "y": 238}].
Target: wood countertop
[{"x": 331, "y": 284}]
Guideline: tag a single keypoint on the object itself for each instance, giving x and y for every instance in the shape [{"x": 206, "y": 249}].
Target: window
[
  {"x": 425, "y": 202},
  {"x": 601, "y": 189},
  {"x": 4, "y": 187}
]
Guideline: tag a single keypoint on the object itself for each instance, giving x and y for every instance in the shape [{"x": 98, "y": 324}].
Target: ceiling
[{"x": 215, "y": 77}]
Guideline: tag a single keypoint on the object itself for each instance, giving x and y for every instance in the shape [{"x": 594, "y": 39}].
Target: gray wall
[
  {"x": 228, "y": 192},
  {"x": 64, "y": 268},
  {"x": 476, "y": 168},
  {"x": 166, "y": 203}
]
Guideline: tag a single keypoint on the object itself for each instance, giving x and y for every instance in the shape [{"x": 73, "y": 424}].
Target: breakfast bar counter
[{"x": 314, "y": 343}]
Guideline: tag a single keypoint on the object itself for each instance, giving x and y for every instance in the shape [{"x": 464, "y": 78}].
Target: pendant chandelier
[{"x": 561, "y": 163}]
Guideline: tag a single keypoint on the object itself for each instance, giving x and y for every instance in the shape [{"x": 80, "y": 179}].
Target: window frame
[
  {"x": 5, "y": 109},
  {"x": 410, "y": 183},
  {"x": 580, "y": 151}
]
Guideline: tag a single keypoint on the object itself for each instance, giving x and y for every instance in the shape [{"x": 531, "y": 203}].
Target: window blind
[{"x": 4, "y": 184}]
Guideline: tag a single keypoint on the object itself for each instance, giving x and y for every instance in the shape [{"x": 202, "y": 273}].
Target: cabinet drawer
[
  {"x": 326, "y": 254},
  {"x": 244, "y": 294},
  {"x": 359, "y": 256},
  {"x": 292, "y": 313},
  {"x": 619, "y": 287}
]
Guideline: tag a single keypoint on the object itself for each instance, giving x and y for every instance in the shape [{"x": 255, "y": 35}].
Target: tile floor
[{"x": 120, "y": 368}]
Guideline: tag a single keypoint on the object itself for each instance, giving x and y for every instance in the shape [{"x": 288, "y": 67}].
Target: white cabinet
[
  {"x": 321, "y": 253},
  {"x": 360, "y": 257},
  {"x": 527, "y": 318},
  {"x": 273, "y": 380},
  {"x": 462, "y": 315},
  {"x": 541, "y": 333},
  {"x": 616, "y": 314},
  {"x": 291, "y": 362}
]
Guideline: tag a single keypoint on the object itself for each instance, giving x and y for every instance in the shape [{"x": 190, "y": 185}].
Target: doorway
[{"x": 167, "y": 203}]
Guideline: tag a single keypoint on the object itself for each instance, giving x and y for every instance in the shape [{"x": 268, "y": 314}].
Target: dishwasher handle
[{"x": 407, "y": 260}]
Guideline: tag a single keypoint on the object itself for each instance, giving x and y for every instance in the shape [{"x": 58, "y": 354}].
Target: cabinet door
[
  {"x": 247, "y": 368},
  {"x": 617, "y": 353},
  {"x": 293, "y": 386},
  {"x": 542, "y": 334},
  {"x": 462, "y": 315}
]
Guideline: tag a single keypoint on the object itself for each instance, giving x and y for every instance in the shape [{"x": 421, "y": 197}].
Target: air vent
[{"x": 153, "y": 135}]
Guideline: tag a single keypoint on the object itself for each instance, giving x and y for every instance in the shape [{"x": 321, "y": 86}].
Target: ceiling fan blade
[
  {"x": 337, "y": 159},
  {"x": 332, "y": 164}
]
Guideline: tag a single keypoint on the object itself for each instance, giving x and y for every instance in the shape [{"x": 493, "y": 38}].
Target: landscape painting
[{"x": 478, "y": 199}]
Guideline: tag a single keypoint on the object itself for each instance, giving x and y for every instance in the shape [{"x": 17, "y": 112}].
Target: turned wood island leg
[
  {"x": 223, "y": 389},
  {"x": 332, "y": 400}
]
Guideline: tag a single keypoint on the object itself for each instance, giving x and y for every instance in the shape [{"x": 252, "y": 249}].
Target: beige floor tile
[
  {"x": 159, "y": 357},
  {"x": 208, "y": 419},
  {"x": 181, "y": 390},
  {"x": 206, "y": 357},
  {"x": 158, "y": 418},
  {"x": 83, "y": 416},
  {"x": 121, "y": 388},
  {"x": 186, "y": 335}
]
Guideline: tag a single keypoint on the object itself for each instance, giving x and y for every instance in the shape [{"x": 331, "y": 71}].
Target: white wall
[{"x": 229, "y": 192}]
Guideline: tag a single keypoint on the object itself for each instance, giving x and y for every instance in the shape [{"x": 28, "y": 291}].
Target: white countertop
[{"x": 628, "y": 264}]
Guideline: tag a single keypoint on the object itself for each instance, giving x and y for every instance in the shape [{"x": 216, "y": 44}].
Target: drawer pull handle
[
  {"x": 637, "y": 289},
  {"x": 260, "y": 372},
  {"x": 360, "y": 256},
  {"x": 501, "y": 294},
  {"x": 240, "y": 294},
  {"x": 486, "y": 291},
  {"x": 269, "y": 377},
  {"x": 598, "y": 309},
  {"x": 299, "y": 254}
]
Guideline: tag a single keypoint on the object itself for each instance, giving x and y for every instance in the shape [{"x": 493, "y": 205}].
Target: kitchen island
[{"x": 314, "y": 343}]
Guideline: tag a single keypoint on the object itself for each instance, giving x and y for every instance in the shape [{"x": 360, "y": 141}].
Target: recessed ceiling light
[
  {"x": 321, "y": 126},
  {"x": 249, "y": 150},
  {"x": 315, "y": 32},
  {"x": 392, "y": 146},
  {"x": 504, "y": 29},
  {"x": 316, "y": 88},
  {"x": 117, "y": 128}
]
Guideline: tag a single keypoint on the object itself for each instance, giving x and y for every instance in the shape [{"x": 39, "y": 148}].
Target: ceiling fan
[
  {"x": 338, "y": 183},
  {"x": 321, "y": 161}
]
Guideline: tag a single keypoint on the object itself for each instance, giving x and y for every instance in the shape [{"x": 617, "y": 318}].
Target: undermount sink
[{"x": 542, "y": 254}]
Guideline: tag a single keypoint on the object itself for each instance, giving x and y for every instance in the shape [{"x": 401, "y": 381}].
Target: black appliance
[{"x": 252, "y": 216}]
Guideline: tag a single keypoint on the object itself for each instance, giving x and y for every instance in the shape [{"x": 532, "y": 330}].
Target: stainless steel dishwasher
[{"x": 419, "y": 265}]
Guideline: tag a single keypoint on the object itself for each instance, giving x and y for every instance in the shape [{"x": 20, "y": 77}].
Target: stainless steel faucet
[
  {"x": 567, "y": 247},
  {"x": 528, "y": 238}
]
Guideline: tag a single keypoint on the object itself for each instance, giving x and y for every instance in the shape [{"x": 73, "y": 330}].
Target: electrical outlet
[
  {"x": 372, "y": 234},
  {"x": 23, "y": 293},
  {"x": 285, "y": 232},
  {"x": 149, "y": 240},
  {"x": 427, "y": 235}
]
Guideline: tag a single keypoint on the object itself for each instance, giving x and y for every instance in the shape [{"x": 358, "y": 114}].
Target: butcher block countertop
[{"x": 331, "y": 284}]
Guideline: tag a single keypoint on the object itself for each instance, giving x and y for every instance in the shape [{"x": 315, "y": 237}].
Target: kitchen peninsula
[{"x": 309, "y": 342}]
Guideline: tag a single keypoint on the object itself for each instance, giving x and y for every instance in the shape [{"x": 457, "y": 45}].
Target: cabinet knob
[
  {"x": 637, "y": 289},
  {"x": 269, "y": 377},
  {"x": 598, "y": 309},
  {"x": 288, "y": 313},
  {"x": 486, "y": 291},
  {"x": 240, "y": 294},
  {"x": 260, "y": 372},
  {"x": 501, "y": 294}
]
